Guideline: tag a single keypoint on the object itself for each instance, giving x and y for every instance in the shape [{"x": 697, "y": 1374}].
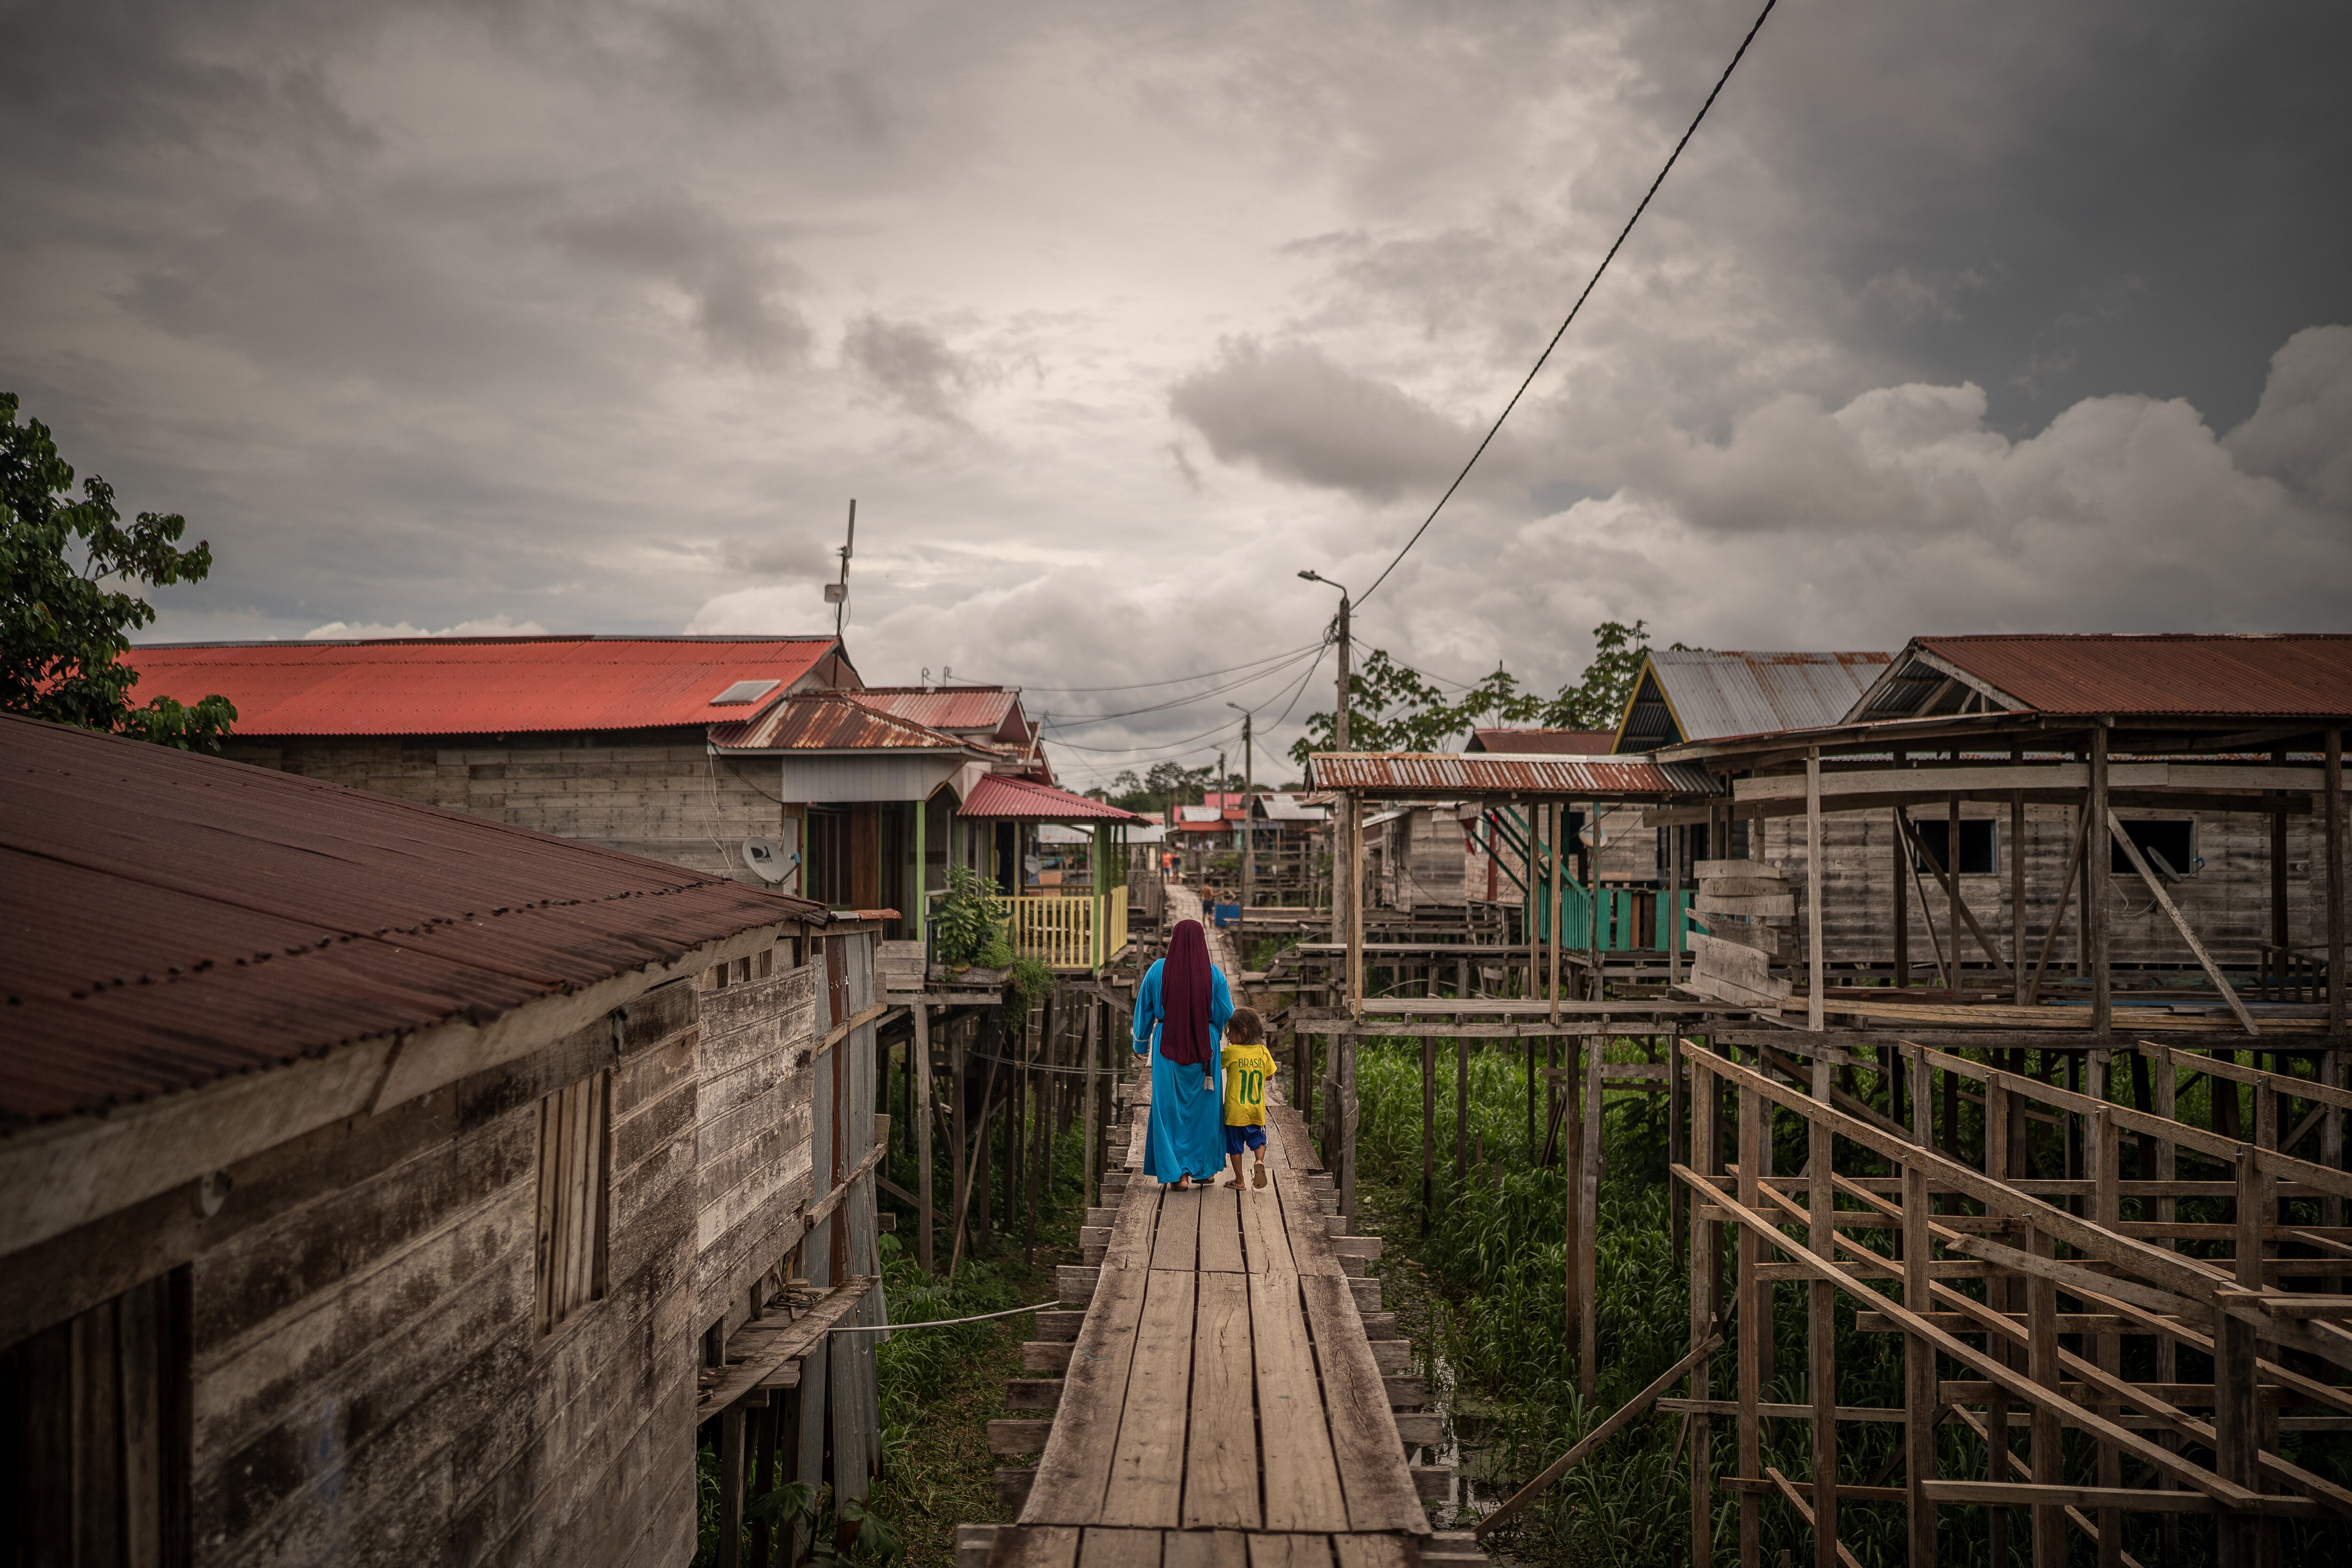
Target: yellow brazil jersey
[{"x": 1247, "y": 1067}]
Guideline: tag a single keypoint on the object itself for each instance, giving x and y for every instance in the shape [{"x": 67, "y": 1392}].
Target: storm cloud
[{"x": 594, "y": 316}]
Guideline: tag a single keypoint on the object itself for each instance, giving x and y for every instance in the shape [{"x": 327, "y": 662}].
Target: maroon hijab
[{"x": 1184, "y": 996}]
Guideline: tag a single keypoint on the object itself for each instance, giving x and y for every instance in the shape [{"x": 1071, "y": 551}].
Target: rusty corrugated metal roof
[
  {"x": 1005, "y": 795},
  {"x": 1544, "y": 743},
  {"x": 1446, "y": 774},
  {"x": 475, "y": 686},
  {"x": 992, "y": 708},
  {"x": 2251, "y": 676},
  {"x": 828, "y": 721},
  {"x": 172, "y": 918},
  {"x": 1716, "y": 693}
]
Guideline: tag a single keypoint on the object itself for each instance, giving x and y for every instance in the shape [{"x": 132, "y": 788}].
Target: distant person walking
[{"x": 1182, "y": 1008}]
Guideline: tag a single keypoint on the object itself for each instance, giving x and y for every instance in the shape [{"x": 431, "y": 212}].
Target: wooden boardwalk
[{"x": 1220, "y": 1403}]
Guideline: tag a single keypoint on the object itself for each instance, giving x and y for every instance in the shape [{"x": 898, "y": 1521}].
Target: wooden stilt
[{"x": 919, "y": 1050}]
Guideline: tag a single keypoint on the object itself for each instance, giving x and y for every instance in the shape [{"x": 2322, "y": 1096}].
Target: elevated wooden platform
[{"x": 1221, "y": 1402}]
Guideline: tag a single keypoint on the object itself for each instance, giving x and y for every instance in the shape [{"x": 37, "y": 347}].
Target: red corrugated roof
[
  {"x": 828, "y": 721},
  {"x": 992, "y": 708},
  {"x": 1003, "y": 795},
  {"x": 474, "y": 686},
  {"x": 172, "y": 918},
  {"x": 1443, "y": 774},
  {"x": 1544, "y": 742},
  {"x": 2288, "y": 676}
]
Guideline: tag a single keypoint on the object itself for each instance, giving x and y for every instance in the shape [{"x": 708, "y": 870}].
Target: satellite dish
[
  {"x": 1593, "y": 836},
  {"x": 763, "y": 857}
]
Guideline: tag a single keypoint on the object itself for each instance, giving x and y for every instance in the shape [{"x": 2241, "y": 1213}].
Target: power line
[
  {"x": 1187, "y": 702},
  {"x": 1181, "y": 680},
  {"x": 1645, "y": 205}
]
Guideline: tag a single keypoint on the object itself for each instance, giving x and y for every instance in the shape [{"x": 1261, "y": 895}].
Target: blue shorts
[{"x": 1239, "y": 1137}]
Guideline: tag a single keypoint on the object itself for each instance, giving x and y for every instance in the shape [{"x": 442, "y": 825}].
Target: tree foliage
[
  {"x": 1393, "y": 707},
  {"x": 67, "y": 610}
]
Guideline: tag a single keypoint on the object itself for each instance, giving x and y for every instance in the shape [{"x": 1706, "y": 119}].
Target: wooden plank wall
[
  {"x": 368, "y": 1385},
  {"x": 2227, "y": 902},
  {"x": 754, "y": 1133},
  {"x": 674, "y": 802}
]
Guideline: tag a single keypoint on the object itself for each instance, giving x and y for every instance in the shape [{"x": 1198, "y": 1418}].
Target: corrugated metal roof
[
  {"x": 1003, "y": 795},
  {"x": 992, "y": 708},
  {"x": 1733, "y": 693},
  {"x": 172, "y": 918},
  {"x": 1291, "y": 808},
  {"x": 471, "y": 686},
  {"x": 2288, "y": 676},
  {"x": 1446, "y": 774},
  {"x": 828, "y": 721},
  {"x": 1544, "y": 743}
]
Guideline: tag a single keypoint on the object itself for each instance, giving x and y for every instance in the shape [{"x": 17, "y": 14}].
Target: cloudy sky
[{"x": 582, "y": 315}]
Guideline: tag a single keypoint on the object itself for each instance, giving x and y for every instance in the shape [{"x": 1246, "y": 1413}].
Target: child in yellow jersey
[{"x": 1249, "y": 1067}]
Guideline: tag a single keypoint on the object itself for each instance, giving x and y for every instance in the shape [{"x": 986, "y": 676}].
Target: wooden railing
[{"x": 1076, "y": 932}]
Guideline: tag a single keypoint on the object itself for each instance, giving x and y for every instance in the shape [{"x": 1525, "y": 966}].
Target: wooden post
[
  {"x": 2334, "y": 802},
  {"x": 731, "y": 1487},
  {"x": 2095, "y": 887},
  {"x": 1902, "y": 867},
  {"x": 1821, "y": 1321},
  {"x": 2275, "y": 963},
  {"x": 2237, "y": 1427},
  {"x": 921, "y": 1112},
  {"x": 1558, "y": 895},
  {"x": 1599, "y": 970},
  {"x": 1813, "y": 887},
  {"x": 1587, "y": 1223},
  {"x": 1674, "y": 839},
  {"x": 1678, "y": 1150},
  {"x": 1755, "y": 1327},
  {"x": 1569, "y": 1087},
  {"x": 1918, "y": 1368},
  {"x": 2000, "y": 1294},
  {"x": 959, "y": 1125},
  {"x": 1706, "y": 1244},
  {"x": 1461, "y": 1106},
  {"x": 2017, "y": 884},
  {"x": 1428, "y": 1128},
  {"x": 1090, "y": 1128},
  {"x": 2042, "y": 1365},
  {"x": 2107, "y": 1209}
]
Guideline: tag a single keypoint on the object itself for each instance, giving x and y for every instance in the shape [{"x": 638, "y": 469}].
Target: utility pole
[{"x": 1249, "y": 828}]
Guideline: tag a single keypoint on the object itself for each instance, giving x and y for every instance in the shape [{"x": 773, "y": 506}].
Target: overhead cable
[{"x": 1590, "y": 284}]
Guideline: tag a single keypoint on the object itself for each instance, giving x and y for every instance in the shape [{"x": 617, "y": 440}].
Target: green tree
[
  {"x": 67, "y": 612},
  {"x": 1394, "y": 707}
]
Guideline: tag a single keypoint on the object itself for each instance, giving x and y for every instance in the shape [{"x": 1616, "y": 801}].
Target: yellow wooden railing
[{"x": 1067, "y": 933}]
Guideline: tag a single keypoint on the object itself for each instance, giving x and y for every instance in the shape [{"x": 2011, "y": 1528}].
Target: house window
[
  {"x": 574, "y": 1125},
  {"x": 1979, "y": 851},
  {"x": 1699, "y": 848},
  {"x": 2169, "y": 844},
  {"x": 94, "y": 1433}
]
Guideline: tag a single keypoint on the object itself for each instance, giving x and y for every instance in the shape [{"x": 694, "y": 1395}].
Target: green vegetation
[
  {"x": 1483, "y": 1294},
  {"x": 66, "y": 611},
  {"x": 1392, "y": 707}
]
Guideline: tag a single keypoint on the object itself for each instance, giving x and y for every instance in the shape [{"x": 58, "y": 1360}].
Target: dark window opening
[
  {"x": 2169, "y": 844},
  {"x": 574, "y": 1130},
  {"x": 828, "y": 858},
  {"x": 1697, "y": 847},
  {"x": 1979, "y": 848}
]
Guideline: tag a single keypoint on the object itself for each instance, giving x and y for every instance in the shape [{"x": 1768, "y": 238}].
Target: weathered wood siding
[
  {"x": 2227, "y": 901},
  {"x": 671, "y": 802},
  {"x": 369, "y": 1387},
  {"x": 755, "y": 1144}
]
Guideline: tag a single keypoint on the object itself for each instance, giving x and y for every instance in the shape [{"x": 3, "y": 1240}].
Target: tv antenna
[{"x": 836, "y": 593}]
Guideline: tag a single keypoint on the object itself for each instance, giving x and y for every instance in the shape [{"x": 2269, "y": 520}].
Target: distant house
[
  {"x": 603, "y": 740},
  {"x": 386, "y": 1183},
  {"x": 762, "y": 759},
  {"x": 2215, "y": 778}
]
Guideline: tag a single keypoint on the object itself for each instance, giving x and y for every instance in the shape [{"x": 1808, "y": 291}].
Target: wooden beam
[
  {"x": 2180, "y": 923},
  {"x": 1813, "y": 977}
]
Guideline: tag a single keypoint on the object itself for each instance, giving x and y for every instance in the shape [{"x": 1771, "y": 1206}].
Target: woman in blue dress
[{"x": 1184, "y": 1002}]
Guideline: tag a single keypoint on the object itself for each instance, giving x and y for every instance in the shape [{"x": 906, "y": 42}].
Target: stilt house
[{"x": 391, "y": 1185}]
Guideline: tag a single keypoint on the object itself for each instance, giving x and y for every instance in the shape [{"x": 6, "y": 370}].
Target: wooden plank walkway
[{"x": 1223, "y": 1405}]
